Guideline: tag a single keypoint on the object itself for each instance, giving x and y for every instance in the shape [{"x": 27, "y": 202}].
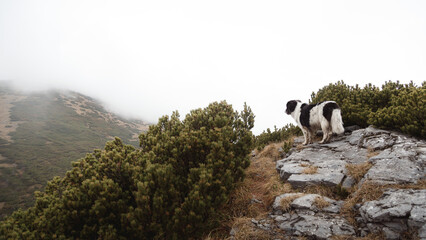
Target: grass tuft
[
  {"x": 310, "y": 170},
  {"x": 244, "y": 230},
  {"x": 371, "y": 153},
  {"x": 357, "y": 171},
  {"x": 270, "y": 151},
  {"x": 285, "y": 203},
  {"x": 321, "y": 203}
]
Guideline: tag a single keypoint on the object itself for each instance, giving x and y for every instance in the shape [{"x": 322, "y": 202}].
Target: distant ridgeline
[
  {"x": 169, "y": 188},
  {"x": 42, "y": 133}
]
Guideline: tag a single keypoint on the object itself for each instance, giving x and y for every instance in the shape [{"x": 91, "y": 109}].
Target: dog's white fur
[{"x": 318, "y": 121}]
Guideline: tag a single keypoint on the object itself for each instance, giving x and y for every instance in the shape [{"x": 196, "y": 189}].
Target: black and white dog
[{"x": 311, "y": 117}]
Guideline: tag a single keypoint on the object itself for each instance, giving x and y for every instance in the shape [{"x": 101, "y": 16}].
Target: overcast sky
[{"x": 148, "y": 58}]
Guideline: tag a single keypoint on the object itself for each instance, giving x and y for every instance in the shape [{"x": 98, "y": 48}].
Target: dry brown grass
[
  {"x": 286, "y": 202},
  {"x": 262, "y": 182},
  {"x": 370, "y": 191},
  {"x": 271, "y": 151},
  {"x": 322, "y": 190},
  {"x": 421, "y": 184},
  {"x": 371, "y": 153},
  {"x": 321, "y": 203},
  {"x": 300, "y": 147},
  {"x": 373, "y": 236},
  {"x": 357, "y": 171},
  {"x": 244, "y": 230},
  {"x": 310, "y": 170},
  {"x": 411, "y": 233}
]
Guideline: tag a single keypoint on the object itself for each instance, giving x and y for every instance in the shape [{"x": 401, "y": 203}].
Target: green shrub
[
  {"x": 406, "y": 112},
  {"x": 168, "y": 189},
  {"x": 278, "y": 135},
  {"x": 395, "y": 106},
  {"x": 287, "y": 145}
]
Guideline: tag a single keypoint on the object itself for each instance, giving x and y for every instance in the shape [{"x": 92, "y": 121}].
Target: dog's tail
[{"x": 337, "y": 122}]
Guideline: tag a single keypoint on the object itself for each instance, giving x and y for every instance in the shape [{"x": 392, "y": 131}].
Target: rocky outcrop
[
  {"x": 398, "y": 210},
  {"x": 305, "y": 218},
  {"x": 401, "y": 159},
  {"x": 395, "y": 160}
]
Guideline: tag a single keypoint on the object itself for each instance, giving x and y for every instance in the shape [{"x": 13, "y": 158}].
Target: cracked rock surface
[
  {"x": 396, "y": 211},
  {"x": 306, "y": 219},
  {"x": 398, "y": 160}
]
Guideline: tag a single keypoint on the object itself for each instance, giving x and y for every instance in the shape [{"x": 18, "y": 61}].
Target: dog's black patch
[
  {"x": 305, "y": 113},
  {"x": 291, "y": 105},
  {"x": 328, "y": 110}
]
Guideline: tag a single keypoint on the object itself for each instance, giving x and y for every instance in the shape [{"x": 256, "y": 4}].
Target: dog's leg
[
  {"x": 306, "y": 135},
  {"x": 311, "y": 136},
  {"x": 325, "y": 137},
  {"x": 330, "y": 133},
  {"x": 325, "y": 127}
]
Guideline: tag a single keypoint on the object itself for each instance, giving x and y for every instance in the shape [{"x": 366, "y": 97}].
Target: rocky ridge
[{"x": 396, "y": 166}]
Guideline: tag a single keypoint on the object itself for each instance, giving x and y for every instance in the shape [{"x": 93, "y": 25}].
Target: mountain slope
[{"x": 42, "y": 133}]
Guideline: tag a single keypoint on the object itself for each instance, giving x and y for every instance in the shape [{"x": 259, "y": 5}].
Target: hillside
[
  {"x": 42, "y": 133},
  {"x": 169, "y": 188}
]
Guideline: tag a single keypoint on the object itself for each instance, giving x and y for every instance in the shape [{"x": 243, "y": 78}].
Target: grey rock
[
  {"x": 277, "y": 202},
  {"x": 394, "y": 171},
  {"x": 307, "y": 201},
  {"x": 396, "y": 211},
  {"x": 417, "y": 216},
  {"x": 422, "y": 232},
  {"x": 406, "y": 150},
  {"x": 396, "y": 226},
  {"x": 319, "y": 227},
  {"x": 390, "y": 233},
  {"x": 298, "y": 140},
  {"x": 289, "y": 169},
  {"x": 348, "y": 183},
  {"x": 313, "y": 154},
  {"x": 334, "y": 207},
  {"x": 337, "y": 166},
  {"x": 286, "y": 226},
  {"x": 370, "y": 138},
  {"x": 356, "y": 137},
  {"x": 327, "y": 179},
  {"x": 280, "y": 219},
  {"x": 352, "y": 154},
  {"x": 400, "y": 160},
  {"x": 378, "y": 142}
]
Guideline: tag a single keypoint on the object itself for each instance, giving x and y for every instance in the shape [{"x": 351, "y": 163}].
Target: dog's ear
[{"x": 291, "y": 105}]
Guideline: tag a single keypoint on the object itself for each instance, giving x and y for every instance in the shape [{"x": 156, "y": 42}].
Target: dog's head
[{"x": 291, "y": 105}]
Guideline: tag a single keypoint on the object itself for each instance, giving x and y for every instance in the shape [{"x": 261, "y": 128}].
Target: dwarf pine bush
[
  {"x": 394, "y": 106},
  {"x": 170, "y": 188},
  {"x": 278, "y": 135}
]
